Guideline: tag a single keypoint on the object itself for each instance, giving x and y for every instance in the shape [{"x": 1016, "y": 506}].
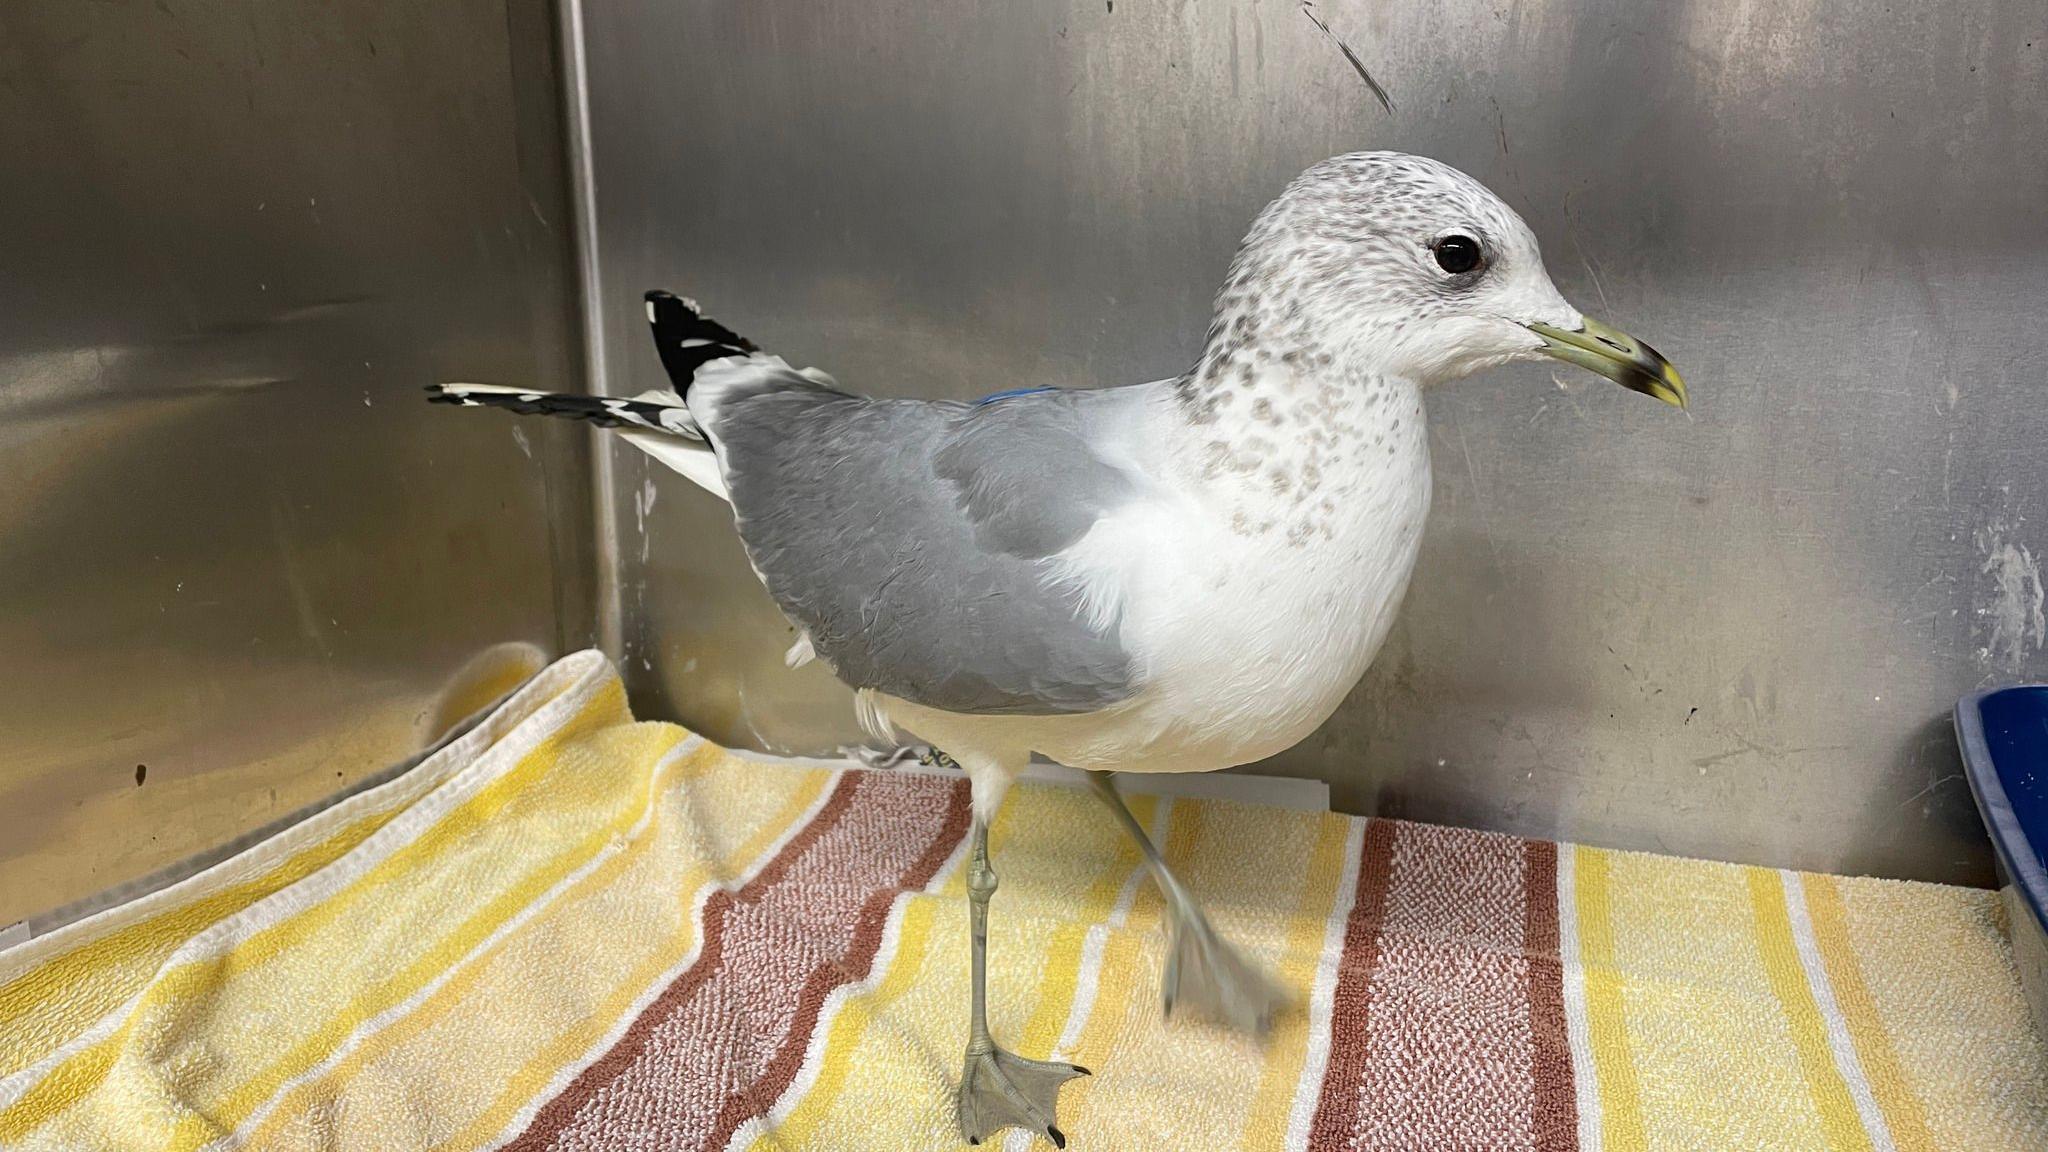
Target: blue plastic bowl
[{"x": 2004, "y": 738}]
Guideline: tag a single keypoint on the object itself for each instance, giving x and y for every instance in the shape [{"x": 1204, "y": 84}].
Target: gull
[{"x": 1179, "y": 576}]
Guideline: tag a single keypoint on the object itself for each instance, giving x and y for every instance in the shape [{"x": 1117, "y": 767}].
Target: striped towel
[{"x": 568, "y": 930}]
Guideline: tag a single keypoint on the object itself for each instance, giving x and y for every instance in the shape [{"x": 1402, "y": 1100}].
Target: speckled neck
[
  {"x": 1297, "y": 449},
  {"x": 1261, "y": 327},
  {"x": 1294, "y": 423}
]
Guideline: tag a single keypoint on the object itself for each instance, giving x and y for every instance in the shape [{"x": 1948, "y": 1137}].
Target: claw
[
  {"x": 1209, "y": 977},
  {"x": 1000, "y": 1090}
]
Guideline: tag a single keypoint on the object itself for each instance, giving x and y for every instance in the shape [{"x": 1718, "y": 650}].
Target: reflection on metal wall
[
  {"x": 238, "y": 557},
  {"x": 1735, "y": 635}
]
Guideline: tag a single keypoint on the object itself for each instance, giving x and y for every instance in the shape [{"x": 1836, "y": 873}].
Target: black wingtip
[
  {"x": 1058, "y": 1138},
  {"x": 687, "y": 339},
  {"x": 668, "y": 308}
]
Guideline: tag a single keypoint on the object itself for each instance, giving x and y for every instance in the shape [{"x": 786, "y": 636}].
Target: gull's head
[{"x": 1414, "y": 269}]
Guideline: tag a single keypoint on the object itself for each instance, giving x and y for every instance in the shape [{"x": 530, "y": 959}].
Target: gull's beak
[{"x": 1616, "y": 355}]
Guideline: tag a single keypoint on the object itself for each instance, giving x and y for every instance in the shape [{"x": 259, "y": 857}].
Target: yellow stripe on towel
[
  {"x": 102, "y": 962},
  {"x": 98, "y": 976},
  {"x": 1620, "y": 1124},
  {"x": 306, "y": 957},
  {"x": 1237, "y": 859},
  {"x": 1100, "y": 914},
  {"x": 1939, "y": 974},
  {"x": 1268, "y": 1124},
  {"x": 1824, "y": 1082},
  {"x": 1716, "y": 1065},
  {"x": 628, "y": 921},
  {"x": 1903, "y": 1117},
  {"x": 909, "y": 1025}
]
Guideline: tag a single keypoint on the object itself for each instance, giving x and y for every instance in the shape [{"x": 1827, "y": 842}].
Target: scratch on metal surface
[
  {"x": 1572, "y": 229},
  {"x": 1750, "y": 747},
  {"x": 2012, "y": 604},
  {"x": 1308, "y": 9},
  {"x": 1931, "y": 786},
  {"x": 1479, "y": 495}
]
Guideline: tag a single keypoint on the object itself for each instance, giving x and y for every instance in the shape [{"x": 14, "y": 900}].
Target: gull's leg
[
  {"x": 1204, "y": 972},
  {"x": 998, "y": 1089}
]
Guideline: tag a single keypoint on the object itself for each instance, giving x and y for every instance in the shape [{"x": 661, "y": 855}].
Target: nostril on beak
[{"x": 1616, "y": 345}]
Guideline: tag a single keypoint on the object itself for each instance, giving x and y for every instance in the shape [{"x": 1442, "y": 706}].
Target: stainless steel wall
[
  {"x": 239, "y": 558},
  {"x": 1733, "y": 635}
]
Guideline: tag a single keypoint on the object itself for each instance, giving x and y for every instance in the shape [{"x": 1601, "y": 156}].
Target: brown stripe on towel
[
  {"x": 1351, "y": 1002},
  {"x": 1557, "y": 1107},
  {"x": 725, "y": 1040},
  {"x": 855, "y": 965},
  {"x": 1448, "y": 1026},
  {"x": 1449, "y": 1053}
]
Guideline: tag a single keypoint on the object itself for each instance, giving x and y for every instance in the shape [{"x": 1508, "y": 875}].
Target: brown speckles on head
[
  {"x": 1337, "y": 274},
  {"x": 1307, "y": 425}
]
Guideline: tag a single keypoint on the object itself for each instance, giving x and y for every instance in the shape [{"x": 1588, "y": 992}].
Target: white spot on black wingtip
[
  {"x": 695, "y": 342},
  {"x": 650, "y": 311}
]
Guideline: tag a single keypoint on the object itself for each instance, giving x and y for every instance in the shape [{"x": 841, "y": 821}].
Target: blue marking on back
[{"x": 1012, "y": 392}]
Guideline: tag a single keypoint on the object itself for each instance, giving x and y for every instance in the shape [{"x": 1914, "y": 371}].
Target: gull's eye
[{"x": 1456, "y": 253}]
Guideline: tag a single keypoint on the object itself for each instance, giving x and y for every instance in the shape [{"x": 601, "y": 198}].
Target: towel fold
[{"x": 569, "y": 930}]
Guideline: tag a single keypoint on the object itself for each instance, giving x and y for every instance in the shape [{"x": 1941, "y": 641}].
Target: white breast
[{"x": 1256, "y": 588}]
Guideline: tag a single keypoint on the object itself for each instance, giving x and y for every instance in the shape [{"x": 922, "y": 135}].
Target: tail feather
[
  {"x": 687, "y": 340},
  {"x": 648, "y": 411}
]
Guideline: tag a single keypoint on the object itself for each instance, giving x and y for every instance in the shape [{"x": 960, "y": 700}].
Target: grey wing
[{"x": 909, "y": 539}]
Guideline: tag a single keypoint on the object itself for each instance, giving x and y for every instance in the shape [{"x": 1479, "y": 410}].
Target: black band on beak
[{"x": 1616, "y": 355}]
